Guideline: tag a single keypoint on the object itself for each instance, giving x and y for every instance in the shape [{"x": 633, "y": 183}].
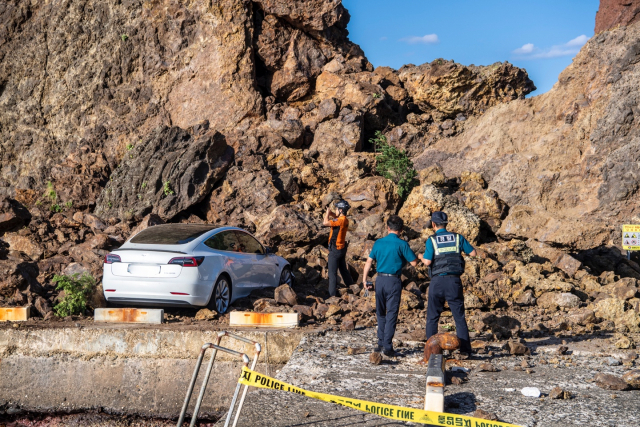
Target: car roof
[{"x": 205, "y": 235}]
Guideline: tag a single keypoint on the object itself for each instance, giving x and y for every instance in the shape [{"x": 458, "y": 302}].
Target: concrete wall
[{"x": 124, "y": 369}]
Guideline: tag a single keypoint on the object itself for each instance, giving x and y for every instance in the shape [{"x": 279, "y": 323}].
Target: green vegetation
[
  {"x": 376, "y": 96},
  {"x": 76, "y": 292},
  {"x": 129, "y": 147},
  {"x": 51, "y": 192},
  {"x": 144, "y": 185},
  {"x": 110, "y": 205},
  {"x": 167, "y": 190},
  {"x": 69, "y": 204},
  {"x": 124, "y": 37},
  {"x": 55, "y": 208},
  {"x": 394, "y": 164}
]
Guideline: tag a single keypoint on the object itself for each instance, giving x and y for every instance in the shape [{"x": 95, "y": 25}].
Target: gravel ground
[{"x": 323, "y": 364}]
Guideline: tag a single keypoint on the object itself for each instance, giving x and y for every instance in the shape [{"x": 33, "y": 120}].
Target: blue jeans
[
  {"x": 447, "y": 288},
  {"x": 388, "y": 291}
]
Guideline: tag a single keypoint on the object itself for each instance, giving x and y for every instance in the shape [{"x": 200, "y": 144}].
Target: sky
[{"x": 541, "y": 36}]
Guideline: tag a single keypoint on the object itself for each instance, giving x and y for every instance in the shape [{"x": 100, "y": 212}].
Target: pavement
[{"x": 322, "y": 363}]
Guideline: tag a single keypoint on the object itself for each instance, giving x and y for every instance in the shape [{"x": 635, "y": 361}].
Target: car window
[
  {"x": 249, "y": 245},
  {"x": 224, "y": 241},
  {"x": 171, "y": 234}
]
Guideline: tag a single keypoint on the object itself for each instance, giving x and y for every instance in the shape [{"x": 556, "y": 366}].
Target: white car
[{"x": 191, "y": 265}]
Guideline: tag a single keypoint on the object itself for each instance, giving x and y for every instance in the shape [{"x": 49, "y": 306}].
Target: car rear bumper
[
  {"x": 145, "y": 302},
  {"x": 181, "y": 291}
]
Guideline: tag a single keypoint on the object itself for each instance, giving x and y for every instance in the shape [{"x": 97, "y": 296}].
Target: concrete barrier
[
  {"x": 246, "y": 318},
  {"x": 14, "y": 314},
  {"x": 124, "y": 368},
  {"x": 128, "y": 315}
]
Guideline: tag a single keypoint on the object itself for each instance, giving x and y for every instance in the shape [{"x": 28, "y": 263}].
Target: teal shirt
[{"x": 391, "y": 253}]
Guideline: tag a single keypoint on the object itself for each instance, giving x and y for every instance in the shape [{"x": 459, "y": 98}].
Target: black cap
[{"x": 439, "y": 217}]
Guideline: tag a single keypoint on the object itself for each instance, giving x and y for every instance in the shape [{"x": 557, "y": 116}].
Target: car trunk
[{"x": 145, "y": 264}]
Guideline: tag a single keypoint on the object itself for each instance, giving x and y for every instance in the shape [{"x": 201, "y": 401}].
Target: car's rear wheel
[
  {"x": 221, "y": 298},
  {"x": 286, "y": 277}
]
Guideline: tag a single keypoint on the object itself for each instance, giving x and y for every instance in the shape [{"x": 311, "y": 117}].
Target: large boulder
[
  {"x": 245, "y": 197},
  {"x": 453, "y": 88},
  {"x": 374, "y": 194},
  {"x": 558, "y": 258},
  {"x": 426, "y": 199},
  {"x": 168, "y": 174},
  {"x": 555, "y": 300},
  {"x": 336, "y": 140},
  {"x": 524, "y": 222},
  {"x": 286, "y": 224}
]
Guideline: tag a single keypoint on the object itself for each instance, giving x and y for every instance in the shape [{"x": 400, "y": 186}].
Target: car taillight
[
  {"x": 111, "y": 258},
  {"x": 187, "y": 261}
]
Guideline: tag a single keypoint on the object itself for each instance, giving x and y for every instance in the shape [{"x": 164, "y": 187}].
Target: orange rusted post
[{"x": 437, "y": 343}]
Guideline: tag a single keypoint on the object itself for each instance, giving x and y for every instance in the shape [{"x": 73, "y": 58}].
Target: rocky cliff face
[
  {"x": 259, "y": 114},
  {"x": 565, "y": 162},
  {"x": 613, "y": 13}
]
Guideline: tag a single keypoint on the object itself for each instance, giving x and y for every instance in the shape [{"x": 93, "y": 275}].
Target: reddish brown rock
[
  {"x": 613, "y": 13},
  {"x": 485, "y": 415},
  {"x": 285, "y": 295},
  {"x": 24, "y": 244},
  {"x": 487, "y": 367},
  {"x": 518, "y": 349},
  {"x": 348, "y": 324},
  {"x": 12, "y": 214},
  {"x": 375, "y": 358},
  {"x": 632, "y": 378},
  {"x": 320, "y": 311},
  {"x": 305, "y": 311},
  {"x": 611, "y": 382},
  {"x": 558, "y": 393}
]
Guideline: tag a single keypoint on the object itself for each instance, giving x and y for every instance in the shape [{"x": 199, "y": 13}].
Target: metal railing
[{"x": 205, "y": 381}]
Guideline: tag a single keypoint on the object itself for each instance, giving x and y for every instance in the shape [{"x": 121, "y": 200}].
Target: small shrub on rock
[
  {"x": 76, "y": 292},
  {"x": 395, "y": 165}
]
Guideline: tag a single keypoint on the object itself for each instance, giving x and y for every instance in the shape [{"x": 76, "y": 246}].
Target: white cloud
[
  {"x": 527, "y": 48},
  {"x": 578, "y": 41},
  {"x": 427, "y": 39},
  {"x": 570, "y": 48},
  {"x": 383, "y": 38}
]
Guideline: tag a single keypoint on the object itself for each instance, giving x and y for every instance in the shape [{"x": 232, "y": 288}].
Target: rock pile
[{"x": 259, "y": 114}]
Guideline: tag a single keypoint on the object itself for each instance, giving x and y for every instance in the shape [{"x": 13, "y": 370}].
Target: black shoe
[
  {"x": 378, "y": 349},
  {"x": 390, "y": 353}
]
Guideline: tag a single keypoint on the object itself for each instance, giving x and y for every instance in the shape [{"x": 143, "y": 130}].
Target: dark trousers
[
  {"x": 388, "y": 291},
  {"x": 337, "y": 261},
  {"x": 447, "y": 288}
]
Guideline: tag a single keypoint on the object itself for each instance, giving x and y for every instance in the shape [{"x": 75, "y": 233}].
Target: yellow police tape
[{"x": 255, "y": 379}]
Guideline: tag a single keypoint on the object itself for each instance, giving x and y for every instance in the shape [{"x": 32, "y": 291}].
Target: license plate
[{"x": 144, "y": 270}]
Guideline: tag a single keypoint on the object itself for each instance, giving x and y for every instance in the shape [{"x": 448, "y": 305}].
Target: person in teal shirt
[{"x": 391, "y": 254}]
